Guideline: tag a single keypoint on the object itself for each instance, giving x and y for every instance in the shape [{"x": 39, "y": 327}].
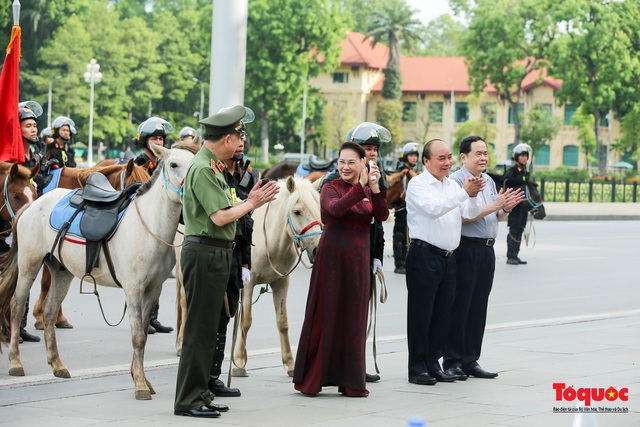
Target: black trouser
[
  {"x": 517, "y": 222},
  {"x": 206, "y": 273},
  {"x": 400, "y": 237},
  {"x": 474, "y": 280},
  {"x": 233, "y": 296},
  {"x": 431, "y": 284}
]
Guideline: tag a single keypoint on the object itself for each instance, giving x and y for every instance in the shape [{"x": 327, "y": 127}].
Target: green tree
[
  {"x": 539, "y": 127},
  {"x": 442, "y": 37},
  {"x": 629, "y": 141},
  {"x": 284, "y": 41},
  {"x": 394, "y": 24},
  {"x": 389, "y": 115},
  {"x": 595, "y": 60},
  {"x": 505, "y": 42},
  {"x": 584, "y": 122}
]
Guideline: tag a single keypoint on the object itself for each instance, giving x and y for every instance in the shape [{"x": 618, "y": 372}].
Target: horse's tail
[{"x": 9, "y": 276}]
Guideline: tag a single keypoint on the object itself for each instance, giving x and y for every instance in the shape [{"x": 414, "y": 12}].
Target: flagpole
[{"x": 16, "y": 12}]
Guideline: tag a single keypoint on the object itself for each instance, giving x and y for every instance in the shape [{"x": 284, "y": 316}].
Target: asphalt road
[{"x": 576, "y": 270}]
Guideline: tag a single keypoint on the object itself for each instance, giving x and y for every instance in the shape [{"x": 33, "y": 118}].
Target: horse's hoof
[
  {"x": 62, "y": 373},
  {"x": 239, "y": 372},
  {"x": 143, "y": 395},
  {"x": 16, "y": 372},
  {"x": 290, "y": 372},
  {"x": 39, "y": 326},
  {"x": 64, "y": 325},
  {"x": 151, "y": 389}
]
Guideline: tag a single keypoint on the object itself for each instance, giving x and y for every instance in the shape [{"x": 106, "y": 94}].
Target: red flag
[{"x": 11, "y": 148}]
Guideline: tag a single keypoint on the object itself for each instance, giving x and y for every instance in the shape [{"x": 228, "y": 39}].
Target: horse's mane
[
  {"x": 192, "y": 147},
  {"x": 23, "y": 171},
  {"x": 393, "y": 178},
  {"x": 138, "y": 173},
  {"x": 306, "y": 193}
]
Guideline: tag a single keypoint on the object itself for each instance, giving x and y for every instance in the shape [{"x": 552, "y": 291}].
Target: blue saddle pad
[
  {"x": 63, "y": 211},
  {"x": 53, "y": 184}
]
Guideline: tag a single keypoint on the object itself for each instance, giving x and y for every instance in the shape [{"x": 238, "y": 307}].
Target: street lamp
[
  {"x": 201, "y": 100},
  {"x": 92, "y": 76},
  {"x": 49, "y": 103}
]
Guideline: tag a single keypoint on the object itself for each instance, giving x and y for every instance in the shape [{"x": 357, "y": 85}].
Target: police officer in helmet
[
  {"x": 187, "y": 134},
  {"x": 516, "y": 177},
  {"x": 409, "y": 160},
  {"x": 61, "y": 149}
]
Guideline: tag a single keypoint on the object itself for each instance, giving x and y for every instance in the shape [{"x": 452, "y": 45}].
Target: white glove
[
  {"x": 246, "y": 276},
  {"x": 377, "y": 265}
]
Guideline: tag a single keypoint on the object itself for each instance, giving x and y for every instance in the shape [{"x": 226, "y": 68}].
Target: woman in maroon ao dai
[{"x": 331, "y": 350}]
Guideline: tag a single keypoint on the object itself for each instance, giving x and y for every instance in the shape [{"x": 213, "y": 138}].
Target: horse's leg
[
  {"x": 240, "y": 355},
  {"x": 45, "y": 284},
  {"x": 139, "y": 305},
  {"x": 60, "y": 281},
  {"x": 18, "y": 302},
  {"x": 280, "y": 289}
]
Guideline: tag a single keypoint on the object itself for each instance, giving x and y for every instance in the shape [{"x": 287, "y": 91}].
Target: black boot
[
  {"x": 26, "y": 336},
  {"x": 216, "y": 386},
  {"x": 155, "y": 323},
  {"x": 513, "y": 246},
  {"x": 399, "y": 249}
]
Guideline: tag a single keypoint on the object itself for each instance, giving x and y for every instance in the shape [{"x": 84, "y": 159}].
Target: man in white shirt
[{"x": 435, "y": 208}]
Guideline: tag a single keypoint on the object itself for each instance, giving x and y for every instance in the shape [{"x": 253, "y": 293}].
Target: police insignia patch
[
  {"x": 213, "y": 166},
  {"x": 220, "y": 165}
]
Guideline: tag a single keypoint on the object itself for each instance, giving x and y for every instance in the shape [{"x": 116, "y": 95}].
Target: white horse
[
  {"x": 288, "y": 226},
  {"x": 283, "y": 229},
  {"x": 142, "y": 261}
]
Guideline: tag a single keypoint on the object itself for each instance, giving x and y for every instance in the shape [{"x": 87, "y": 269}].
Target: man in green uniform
[{"x": 209, "y": 218}]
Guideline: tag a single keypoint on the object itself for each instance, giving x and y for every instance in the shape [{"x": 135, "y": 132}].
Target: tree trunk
[
  {"x": 602, "y": 155},
  {"x": 264, "y": 136}
]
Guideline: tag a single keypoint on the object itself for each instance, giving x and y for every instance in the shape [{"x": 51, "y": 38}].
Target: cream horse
[
  {"x": 283, "y": 230},
  {"x": 142, "y": 261}
]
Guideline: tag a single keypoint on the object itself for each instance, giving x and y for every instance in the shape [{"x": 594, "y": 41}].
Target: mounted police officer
[
  {"x": 409, "y": 160},
  {"x": 516, "y": 177},
  {"x": 370, "y": 136},
  {"x": 241, "y": 179},
  {"x": 152, "y": 131},
  {"x": 46, "y": 136},
  {"x": 210, "y": 217},
  {"x": 187, "y": 134},
  {"x": 61, "y": 149}
]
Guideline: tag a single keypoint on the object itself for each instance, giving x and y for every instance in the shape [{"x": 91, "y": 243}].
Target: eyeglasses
[{"x": 351, "y": 163}]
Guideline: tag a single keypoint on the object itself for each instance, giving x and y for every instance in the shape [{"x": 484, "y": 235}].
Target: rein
[
  {"x": 7, "y": 202},
  {"x": 528, "y": 198}
]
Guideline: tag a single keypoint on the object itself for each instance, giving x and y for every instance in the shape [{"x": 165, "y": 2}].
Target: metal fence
[{"x": 590, "y": 191}]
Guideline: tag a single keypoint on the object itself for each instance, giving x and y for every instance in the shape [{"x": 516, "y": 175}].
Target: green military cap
[{"x": 227, "y": 120}]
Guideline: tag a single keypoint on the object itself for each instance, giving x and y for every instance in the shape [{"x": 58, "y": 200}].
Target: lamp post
[
  {"x": 201, "y": 100},
  {"x": 49, "y": 101},
  {"x": 92, "y": 76}
]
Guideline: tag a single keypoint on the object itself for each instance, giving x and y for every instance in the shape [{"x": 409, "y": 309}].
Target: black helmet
[
  {"x": 522, "y": 149},
  {"x": 29, "y": 110},
  {"x": 410, "y": 148},
  {"x": 368, "y": 133},
  {"x": 153, "y": 126},
  {"x": 187, "y": 131},
  {"x": 58, "y": 123},
  {"x": 46, "y": 133}
]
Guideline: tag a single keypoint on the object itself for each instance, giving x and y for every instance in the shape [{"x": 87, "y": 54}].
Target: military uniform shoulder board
[
  {"x": 220, "y": 165},
  {"x": 213, "y": 166}
]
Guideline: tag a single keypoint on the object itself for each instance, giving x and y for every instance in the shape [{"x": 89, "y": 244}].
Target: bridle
[{"x": 7, "y": 202}]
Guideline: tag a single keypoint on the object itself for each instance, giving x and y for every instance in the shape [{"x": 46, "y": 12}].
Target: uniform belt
[
  {"x": 219, "y": 243},
  {"x": 431, "y": 247},
  {"x": 480, "y": 240}
]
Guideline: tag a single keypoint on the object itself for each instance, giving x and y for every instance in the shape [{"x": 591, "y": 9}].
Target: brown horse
[
  {"x": 120, "y": 176},
  {"x": 16, "y": 191},
  {"x": 397, "y": 185},
  {"x": 281, "y": 170}
]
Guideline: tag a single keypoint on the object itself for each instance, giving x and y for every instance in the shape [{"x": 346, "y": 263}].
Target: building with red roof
[{"x": 353, "y": 92}]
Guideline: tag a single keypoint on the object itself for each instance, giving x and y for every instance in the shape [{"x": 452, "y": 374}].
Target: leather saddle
[
  {"x": 101, "y": 206},
  {"x": 315, "y": 165}
]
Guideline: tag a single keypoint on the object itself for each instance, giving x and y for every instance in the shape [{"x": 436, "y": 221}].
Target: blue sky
[{"x": 429, "y": 9}]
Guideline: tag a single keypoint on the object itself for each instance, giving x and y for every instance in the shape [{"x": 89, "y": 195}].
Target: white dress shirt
[{"x": 435, "y": 210}]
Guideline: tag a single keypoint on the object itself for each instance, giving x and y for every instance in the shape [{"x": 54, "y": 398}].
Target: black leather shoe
[
  {"x": 512, "y": 261},
  {"x": 457, "y": 372},
  {"x": 218, "y": 407},
  {"x": 218, "y": 388},
  {"x": 372, "y": 378},
  {"x": 422, "y": 379},
  {"x": 151, "y": 330},
  {"x": 201, "y": 412},
  {"x": 520, "y": 261},
  {"x": 26, "y": 336},
  {"x": 400, "y": 270},
  {"x": 478, "y": 372},
  {"x": 442, "y": 377},
  {"x": 159, "y": 327}
]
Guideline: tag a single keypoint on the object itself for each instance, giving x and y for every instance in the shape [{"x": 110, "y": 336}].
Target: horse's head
[
  {"x": 135, "y": 173},
  {"x": 397, "y": 185},
  {"x": 302, "y": 207},
  {"x": 175, "y": 164},
  {"x": 17, "y": 190},
  {"x": 533, "y": 201}
]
